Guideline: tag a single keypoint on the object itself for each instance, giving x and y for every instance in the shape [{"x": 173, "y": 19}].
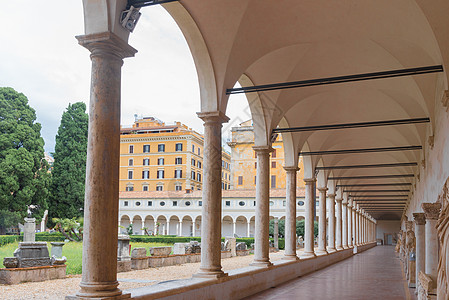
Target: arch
[{"x": 290, "y": 152}]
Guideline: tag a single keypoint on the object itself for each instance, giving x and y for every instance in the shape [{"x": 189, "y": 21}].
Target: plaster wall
[{"x": 384, "y": 226}]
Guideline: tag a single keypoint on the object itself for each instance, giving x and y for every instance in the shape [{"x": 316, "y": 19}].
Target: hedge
[{"x": 7, "y": 239}]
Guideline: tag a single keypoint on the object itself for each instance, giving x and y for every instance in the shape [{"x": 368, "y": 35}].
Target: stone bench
[{"x": 32, "y": 274}]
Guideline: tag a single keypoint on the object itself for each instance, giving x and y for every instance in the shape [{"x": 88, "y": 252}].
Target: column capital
[
  {"x": 339, "y": 199},
  {"x": 419, "y": 218},
  {"x": 345, "y": 203},
  {"x": 262, "y": 149},
  {"x": 331, "y": 196},
  {"x": 106, "y": 43},
  {"x": 322, "y": 189},
  {"x": 431, "y": 210},
  {"x": 291, "y": 169},
  {"x": 350, "y": 206},
  {"x": 213, "y": 117},
  {"x": 309, "y": 180}
]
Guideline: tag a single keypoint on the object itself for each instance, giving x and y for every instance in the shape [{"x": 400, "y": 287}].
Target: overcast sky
[{"x": 41, "y": 58}]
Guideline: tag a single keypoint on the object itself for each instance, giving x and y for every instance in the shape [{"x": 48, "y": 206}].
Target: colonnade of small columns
[{"x": 351, "y": 227}]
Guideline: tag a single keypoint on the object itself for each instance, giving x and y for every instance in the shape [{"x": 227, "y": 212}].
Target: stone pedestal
[
  {"x": 232, "y": 245},
  {"x": 56, "y": 249},
  {"x": 412, "y": 270},
  {"x": 29, "y": 230},
  {"x": 123, "y": 258},
  {"x": 32, "y": 254},
  {"x": 431, "y": 211}
]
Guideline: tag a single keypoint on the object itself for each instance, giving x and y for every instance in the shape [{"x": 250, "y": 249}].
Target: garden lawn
[{"x": 73, "y": 251}]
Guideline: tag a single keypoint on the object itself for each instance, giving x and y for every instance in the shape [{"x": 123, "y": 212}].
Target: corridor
[{"x": 373, "y": 274}]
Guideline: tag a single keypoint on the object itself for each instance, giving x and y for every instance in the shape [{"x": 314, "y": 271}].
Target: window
[
  {"x": 193, "y": 175},
  {"x": 222, "y": 185},
  {"x": 178, "y": 174},
  {"x": 146, "y": 161},
  {"x": 240, "y": 180},
  {"x": 161, "y": 148},
  {"x": 178, "y": 188},
  {"x": 271, "y": 203},
  {"x": 175, "y": 203},
  {"x": 199, "y": 151},
  {"x": 160, "y": 161},
  {"x": 159, "y": 188},
  {"x": 242, "y": 203},
  {"x": 273, "y": 181},
  {"x": 178, "y": 147},
  {"x": 300, "y": 203},
  {"x": 178, "y": 161},
  {"x": 130, "y": 174},
  {"x": 255, "y": 165},
  {"x": 255, "y": 179},
  {"x": 160, "y": 174},
  {"x": 200, "y": 203},
  {"x": 130, "y": 188},
  {"x": 150, "y": 203},
  {"x": 193, "y": 148},
  {"x": 146, "y": 148},
  {"x": 125, "y": 203},
  {"x": 254, "y": 203},
  {"x": 273, "y": 154},
  {"x": 255, "y": 154},
  {"x": 222, "y": 174},
  {"x": 138, "y": 203},
  {"x": 146, "y": 174},
  {"x": 228, "y": 203},
  {"x": 145, "y": 188},
  {"x": 162, "y": 203},
  {"x": 198, "y": 177},
  {"x": 283, "y": 203},
  {"x": 131, "y": 149},
  {"x": 188, "y": 203},
  {"x": 193, "y": 162},
  {"x": 199, "y": 165},
  {"x": 130, "y": 162},
  {"x": 273, "y": 164}
]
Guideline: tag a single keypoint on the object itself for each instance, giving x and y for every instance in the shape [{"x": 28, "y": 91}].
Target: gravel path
[{"x": 59, "y": 288}]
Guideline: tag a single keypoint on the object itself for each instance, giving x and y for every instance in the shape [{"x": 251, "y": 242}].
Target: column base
[
  {"x": 261, "y": 264},
  {"x": 321, "y": 252},
  {"x": 210, "y": 274},
  {"x": 331, "y": 250},
  {"x": 119, "y": 297},
  {"x": 345, "y": 247},
  {"x": 307, "y": 255},
  {"x": 290, "y": 257},
  {"x": 339, "y": 248}
]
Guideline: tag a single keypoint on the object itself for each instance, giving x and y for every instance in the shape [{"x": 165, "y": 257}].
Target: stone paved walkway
[{"x": 374, "y": 274}]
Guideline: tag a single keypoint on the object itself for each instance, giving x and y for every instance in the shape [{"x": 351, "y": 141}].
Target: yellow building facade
[
  {"x": 159, "y": 157},
  {"x": 243, "y": 160}
]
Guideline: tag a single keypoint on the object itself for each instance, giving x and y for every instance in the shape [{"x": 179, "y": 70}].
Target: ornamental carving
[
  {"x": 420, "y": 218},
  {"x": 409, "y": 226},
  {"x": 443, "y": 234},
  {"x": 431, "y": 210},
  {"x": 411, "y": 241}
]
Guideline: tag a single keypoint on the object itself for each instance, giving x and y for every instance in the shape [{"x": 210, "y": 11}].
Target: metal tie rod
[
  {"x": 353, "y": 125},
  {"x": 368, "y": 166},
  {"x": 365, "y": 150},
  {"x": 143, "y": 3},
  {"x": 371, "y": 177},
  {"x": 374, "y": 184},
  {"x": 338, "y": 79}
]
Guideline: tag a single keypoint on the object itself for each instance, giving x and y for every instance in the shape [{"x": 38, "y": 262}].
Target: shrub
[{"x": 7, "y": 239}]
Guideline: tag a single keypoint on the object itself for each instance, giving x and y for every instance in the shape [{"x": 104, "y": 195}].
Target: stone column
[
  {"x": 211, "y": 209},
  {"x": 180, "y": 228},
  {"x": 350, "y": 241},
  {"x": 354, "y": 224},
  {"x": 248, "y": 229},
  {"x": 420, "y": 221},
  {"x": 168, "y": 229},
  {"x": 322, "y": 223},
  {"x": 290, "y": 214},
  {"x": 431, "y": 212},
  {"x": 345, "y": 224},
  {"x": 338, "y": 229},
  {"x": 331, "y": 217},
  {"x": 276, "y": 233},
  {"x": 308, "y": 230},
  {"x": 143, "y": 228},
  {"x": 193, "y": 228},
  {"x": 233, "y": 228},
  {"x": 261, "y": 236},
  {"x": 29, "y": 230},
  {"x": 359, "y": 226},
  {"x": 101, "y": 205}
]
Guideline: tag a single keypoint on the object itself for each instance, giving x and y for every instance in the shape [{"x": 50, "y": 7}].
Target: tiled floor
[{"x": 373, "y": 274}]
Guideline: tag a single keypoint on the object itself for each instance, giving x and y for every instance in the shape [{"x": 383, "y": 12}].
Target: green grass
[{"x": 73, "y": 251}]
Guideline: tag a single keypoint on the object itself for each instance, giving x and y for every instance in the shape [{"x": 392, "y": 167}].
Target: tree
[
  {"x": 69, "y": 168},
  {"x": 72, "y": 229},
  {"x": 24, "y": 177}
]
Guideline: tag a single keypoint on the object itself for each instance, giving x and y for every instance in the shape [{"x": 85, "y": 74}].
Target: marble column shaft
[
  {"x": 261, "y": 235},
  {"x": 338, "y": 228},
  {"x": 331, "y": 217},
  {"x": 322, "y": 222},
  {"x": 309, "y": 218},
  {"x": 290, "y": 215},
  {"x": 345, "y": 224},
  {"x": 431, "y": 212},
  {"x": 211, "y": 194},
  {"x": 420, "y": 222},
  {"x": 101, "y": 206}
]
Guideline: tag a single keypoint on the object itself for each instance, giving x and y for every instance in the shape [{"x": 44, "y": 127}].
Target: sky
[{"x": 41, "y": 58}]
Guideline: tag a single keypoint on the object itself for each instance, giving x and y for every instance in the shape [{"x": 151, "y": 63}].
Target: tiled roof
[
  {"x": 155, "y": 128},
  {"x": 274, "y": 193}
]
